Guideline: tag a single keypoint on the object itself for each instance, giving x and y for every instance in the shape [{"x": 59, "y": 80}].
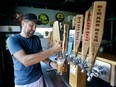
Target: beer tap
[
  {"x": 56, "y": 36},
  {"x": 96, "y": 34},
  {"x": 97, "y": 71},
  {"x": 76, "y": 60},
  {"x": 86, "y": 39},
  {"x": 65, "y": 40},
  {"x": 77, "y": 38},
  {"x": 65, "y": 45},
  {"x": 75, "y": 71},
  {"x": 83, "y": 65},
  {"x": 68, "y": 57}
]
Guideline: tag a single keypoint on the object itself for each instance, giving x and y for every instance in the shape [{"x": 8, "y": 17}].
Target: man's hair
[{"x": 32, "y": 17}]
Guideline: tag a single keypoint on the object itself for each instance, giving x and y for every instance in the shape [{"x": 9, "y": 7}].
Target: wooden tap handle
[
  {"x": 96, "y": 31},
  {"x": 65, "y": 38},
  {"x": 78, "y": 33},
  {"x": 86, "y": 34},
  {"x": 56, "y": 32}
]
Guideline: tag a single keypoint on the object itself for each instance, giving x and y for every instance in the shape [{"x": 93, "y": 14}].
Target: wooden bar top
[
  {"x": 109, "y": 58},
  {"x": 106, "y": 57}
]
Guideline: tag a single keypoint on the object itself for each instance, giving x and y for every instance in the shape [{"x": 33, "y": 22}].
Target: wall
[{"x": 51, "y": 13}]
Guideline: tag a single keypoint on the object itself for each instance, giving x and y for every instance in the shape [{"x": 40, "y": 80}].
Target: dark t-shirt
[{"x": 25, "y": 75}]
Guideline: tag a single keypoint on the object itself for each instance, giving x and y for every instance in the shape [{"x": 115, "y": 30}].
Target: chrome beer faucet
[
  {"x": 97, "y": 71},
  {"x": 83, "y": 65},
  {"x": 74, "y": 59}
]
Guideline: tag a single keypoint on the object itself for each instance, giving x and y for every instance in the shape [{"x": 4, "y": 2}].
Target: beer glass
[{"x": 60, "y": 62}]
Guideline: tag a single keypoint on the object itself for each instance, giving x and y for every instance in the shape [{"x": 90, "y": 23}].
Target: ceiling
[
  {"x": 63, "y": 5},
  {"x": 77, "y": 6}
]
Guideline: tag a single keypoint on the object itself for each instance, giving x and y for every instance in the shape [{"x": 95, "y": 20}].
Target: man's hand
[
  {"x": 54, "y": 65},
  {"x": 57, "y": 47}
]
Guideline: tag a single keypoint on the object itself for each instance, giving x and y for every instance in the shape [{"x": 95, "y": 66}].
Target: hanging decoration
[
  {"x": 18, "y": 17},
  {"x": 44, "y": 18},
  {"x": 59, "y": 16}
]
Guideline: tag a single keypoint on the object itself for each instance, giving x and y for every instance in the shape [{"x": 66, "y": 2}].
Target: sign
[
  {"x": 59, "y": 16},
  {"x": 44, "y": 18}
]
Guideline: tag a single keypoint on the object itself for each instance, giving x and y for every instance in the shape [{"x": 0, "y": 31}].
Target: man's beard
[{"x": 30, "y": 34}]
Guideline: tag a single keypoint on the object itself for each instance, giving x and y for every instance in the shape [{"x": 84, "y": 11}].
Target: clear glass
[{"x": 60, "y": 62}]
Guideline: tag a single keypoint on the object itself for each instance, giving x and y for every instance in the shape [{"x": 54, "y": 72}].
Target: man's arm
[{"x": 30, "y": 59}]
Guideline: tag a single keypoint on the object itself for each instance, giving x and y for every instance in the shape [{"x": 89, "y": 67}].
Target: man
[{"x": 27, "y": 54}]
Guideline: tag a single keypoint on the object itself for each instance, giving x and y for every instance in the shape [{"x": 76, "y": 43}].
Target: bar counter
[{"x": 54, "y": 80}]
